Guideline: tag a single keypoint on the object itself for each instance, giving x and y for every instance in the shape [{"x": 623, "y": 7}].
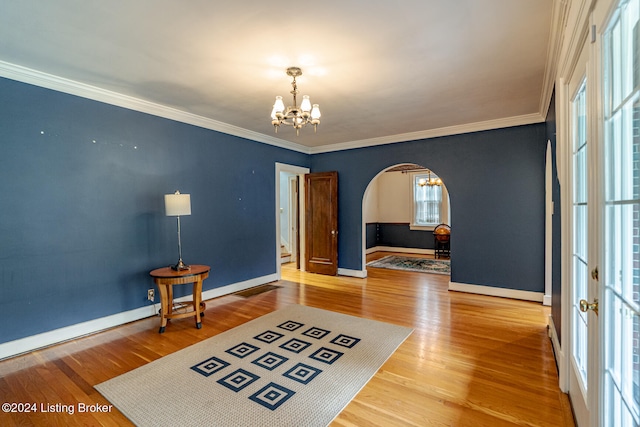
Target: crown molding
[
  {"x": 575, "y": 32},
  {"x": 558, "y": 23},
  {"x": 60, "y": 84},
  {"x": 526, "y": 119}
]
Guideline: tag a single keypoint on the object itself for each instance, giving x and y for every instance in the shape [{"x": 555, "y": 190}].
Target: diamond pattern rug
[
  {"x": 299, "y": 366},
  {"x": 422, "y": 265}
]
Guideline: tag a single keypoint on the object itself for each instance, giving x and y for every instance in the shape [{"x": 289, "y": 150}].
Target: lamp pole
[{"x": 180, "y": 265}]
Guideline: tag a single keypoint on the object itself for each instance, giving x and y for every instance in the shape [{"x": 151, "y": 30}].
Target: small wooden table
[{"x": 165, "y": 278}]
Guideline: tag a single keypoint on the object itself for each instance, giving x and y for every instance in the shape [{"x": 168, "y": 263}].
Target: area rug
[
  {"x": 299, "y": 366},
  {"x": 395, "y": 262}
]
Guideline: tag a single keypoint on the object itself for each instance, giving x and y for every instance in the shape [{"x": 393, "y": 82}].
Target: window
[{"x": 430, "y": 202}]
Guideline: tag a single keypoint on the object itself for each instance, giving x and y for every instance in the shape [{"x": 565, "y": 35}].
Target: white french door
[
  {"x": 621, "y": 217},
  {"x": 600, "y": 148},
  {"x": 583, "y": 331}
]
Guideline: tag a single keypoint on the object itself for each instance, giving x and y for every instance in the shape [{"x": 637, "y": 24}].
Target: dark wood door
[{"x": 321, "y": 223}]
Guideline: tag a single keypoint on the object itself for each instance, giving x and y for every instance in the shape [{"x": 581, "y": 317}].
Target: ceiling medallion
[{"x": 293, "y": 115}]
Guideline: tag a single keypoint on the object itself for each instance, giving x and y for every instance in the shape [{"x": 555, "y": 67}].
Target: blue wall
[
  {"x": 398, "y": 235},
  {"x": 82, "y": 216},
  {"x": 82, "y": 211},
  {"x": 496, "y": 185},
  {"x": 371, "y": 232}
]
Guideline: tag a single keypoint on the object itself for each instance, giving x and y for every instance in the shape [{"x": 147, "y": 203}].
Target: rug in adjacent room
[
  {"x": 423, "y": 265},
  {"x": 299, "y": 366}
]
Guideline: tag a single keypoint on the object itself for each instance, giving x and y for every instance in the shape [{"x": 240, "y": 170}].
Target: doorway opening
[{"x": 290, "y": 217}]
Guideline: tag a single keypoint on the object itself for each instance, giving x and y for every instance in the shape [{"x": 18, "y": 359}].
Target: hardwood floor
[{"x": 471, "y": 360}]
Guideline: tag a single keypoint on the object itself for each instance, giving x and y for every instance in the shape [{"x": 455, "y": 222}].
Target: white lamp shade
[
  {"x": 306, "y": 104},
  {"x": 278, "y": 106},
  {"x": 177, "y": 204},
  {"x": 315, "y": 111}
]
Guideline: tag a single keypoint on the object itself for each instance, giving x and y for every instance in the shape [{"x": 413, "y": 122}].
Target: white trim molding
[
  {"x": 497, "y": 292},
  {"x": 526, "y": 119},
  {"x": 45, "y": 339},
  {"x": 60, "y": 84},
  {"x": 352, "y": 273},
  {"x": 83, "y": 90},
  {"x": 561, "y": 359},
  {"x": 558, "y": 22}
]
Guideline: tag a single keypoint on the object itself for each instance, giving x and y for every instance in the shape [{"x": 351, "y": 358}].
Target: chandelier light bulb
[
  {"x": 315, "y": 112},
  {"x": 278, "y": 106},
  {"x": 306, "y": 104},
  {"x": 431, "y": 182}
]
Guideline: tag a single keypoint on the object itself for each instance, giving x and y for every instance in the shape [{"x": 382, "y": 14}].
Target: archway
[{"x": 389, "y": 203}]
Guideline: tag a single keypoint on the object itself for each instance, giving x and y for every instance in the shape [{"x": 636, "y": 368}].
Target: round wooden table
[{"x": 165, "y": 278}]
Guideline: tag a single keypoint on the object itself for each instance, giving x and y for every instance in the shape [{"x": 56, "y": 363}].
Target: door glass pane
[
  {"x": 580, "y": 231},
  {"x": 622, "y": 217}
]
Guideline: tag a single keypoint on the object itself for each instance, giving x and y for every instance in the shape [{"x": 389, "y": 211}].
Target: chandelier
[
  {"x": 429, "y": 181},
  {"x": 295, "y": 116}
]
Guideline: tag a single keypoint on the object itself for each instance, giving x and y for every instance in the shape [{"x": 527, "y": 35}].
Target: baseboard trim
[
  {"x": 497, "y": 292},
  {"x": 402, "y": 250},
  {"x": 352, "y": 273},
  {"x": 561, "y": 360},
  {"x": 237, "y": 287},
  {"x": 45, "y": 339}
]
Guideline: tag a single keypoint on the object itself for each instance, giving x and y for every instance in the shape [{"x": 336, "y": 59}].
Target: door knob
[{"x": 586, "y": 305}]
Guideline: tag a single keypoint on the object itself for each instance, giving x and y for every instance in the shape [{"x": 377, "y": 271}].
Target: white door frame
[
  {"x": 576, "y": 70},
  {"x": 300, "y": 171},
  {"x": 293, "y": 216},
  {"x": 580, "y": 392}
]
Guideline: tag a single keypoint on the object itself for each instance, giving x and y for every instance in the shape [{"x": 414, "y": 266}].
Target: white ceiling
[{"x": 381, "y": 70}]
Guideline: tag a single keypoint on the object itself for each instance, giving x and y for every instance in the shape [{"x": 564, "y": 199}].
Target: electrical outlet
[{"x": 151, "y": 294}]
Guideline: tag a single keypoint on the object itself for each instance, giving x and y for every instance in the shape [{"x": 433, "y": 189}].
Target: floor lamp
[{"x": 177, "y": 205}]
